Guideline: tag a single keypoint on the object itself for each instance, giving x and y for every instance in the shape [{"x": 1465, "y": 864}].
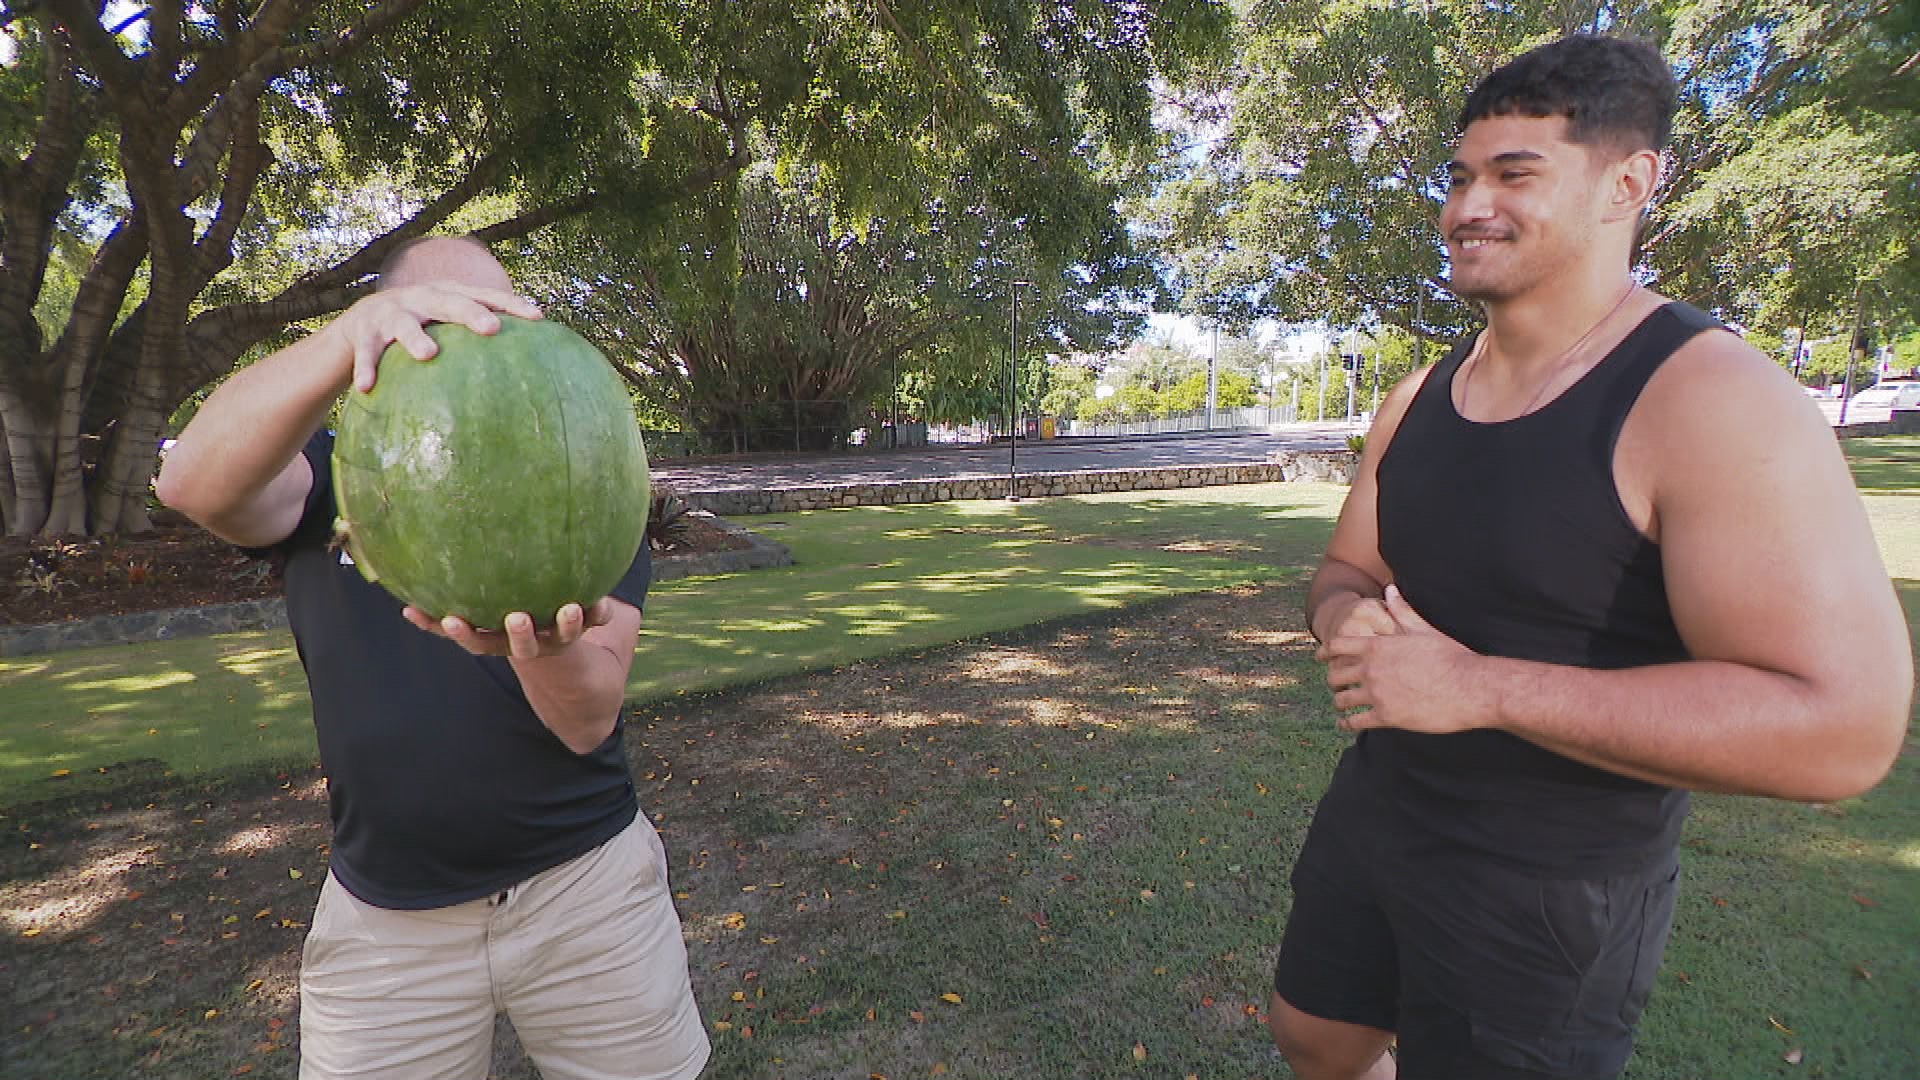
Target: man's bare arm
[
  {"x": 237, "y": 468},
  {"x": 578, "y": 691},
  {"x": 1352, "y": 572},
  {"x": 1805, "y": 672}
]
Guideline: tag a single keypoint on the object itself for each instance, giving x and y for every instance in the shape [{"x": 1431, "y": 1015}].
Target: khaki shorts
[{"x": 586, "y": 959}]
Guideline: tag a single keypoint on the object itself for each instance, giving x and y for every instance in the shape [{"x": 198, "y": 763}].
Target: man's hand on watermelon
[
  {"x": 402, "y": 315},
  {"x": 574, "y": 675},
  {"x": 519, "y": 639}
]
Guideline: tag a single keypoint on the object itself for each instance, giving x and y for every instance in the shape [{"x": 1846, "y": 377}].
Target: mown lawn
[
  {"x": 867, "y": 582},
  {"x": 1052, "y": 848}
]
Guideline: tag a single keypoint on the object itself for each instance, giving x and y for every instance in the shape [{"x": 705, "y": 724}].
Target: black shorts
[{"x": 1481, "y": 970}]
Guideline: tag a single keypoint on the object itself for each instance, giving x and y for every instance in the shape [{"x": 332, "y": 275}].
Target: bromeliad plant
[{"x": 668, "y": 526}]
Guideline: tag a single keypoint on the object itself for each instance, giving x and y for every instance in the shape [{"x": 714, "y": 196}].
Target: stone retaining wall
[
  {"x": 1286, "y": 466},
  {"x": 272, "y": 614}
]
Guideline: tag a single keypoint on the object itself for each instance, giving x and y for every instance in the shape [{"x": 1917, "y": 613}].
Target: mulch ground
[{"x": 176, "y": 565}]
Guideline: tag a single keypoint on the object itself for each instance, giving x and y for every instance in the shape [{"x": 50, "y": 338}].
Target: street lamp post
[
  {"x": 1213, "y": 378},
  {"x": 1013, "y": 387}
]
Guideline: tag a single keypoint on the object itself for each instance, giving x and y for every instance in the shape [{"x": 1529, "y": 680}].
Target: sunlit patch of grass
[{"x": 134, "y": 684}]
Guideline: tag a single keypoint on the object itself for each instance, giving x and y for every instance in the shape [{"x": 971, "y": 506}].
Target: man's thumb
[{"x": 1403, "y": 612}]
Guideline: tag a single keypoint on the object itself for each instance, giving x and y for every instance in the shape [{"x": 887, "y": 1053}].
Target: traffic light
[{"x": 1350, "y": 361}]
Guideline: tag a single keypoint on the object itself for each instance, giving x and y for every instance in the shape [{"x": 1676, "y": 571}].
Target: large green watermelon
[{"x": 505, "y": 474}]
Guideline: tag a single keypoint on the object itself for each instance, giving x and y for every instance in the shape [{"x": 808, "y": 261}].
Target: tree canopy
[
  {"x": 1791, "y": 184},
  {"x": 183, "y": 183}
]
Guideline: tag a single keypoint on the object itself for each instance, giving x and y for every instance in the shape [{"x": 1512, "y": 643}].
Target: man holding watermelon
[{"x": 488, "y": 846}]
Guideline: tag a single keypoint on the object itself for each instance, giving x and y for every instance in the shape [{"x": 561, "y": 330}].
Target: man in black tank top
[{"x": 1600, "y": 555}]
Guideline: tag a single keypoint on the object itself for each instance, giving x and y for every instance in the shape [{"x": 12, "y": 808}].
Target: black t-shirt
[{"x": 443, "y": 783}]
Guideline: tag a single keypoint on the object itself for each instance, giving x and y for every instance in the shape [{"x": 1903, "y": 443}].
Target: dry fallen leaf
[
  {"x": 1793, "y": 1056},
  {"x": 939, "y": 1069},
  {"x": 950, "y": 998},
  {"x": 1778, "y": 1026},
  {"x": 1139, "y": 1052},
  {"x": 294, "y": 873}
]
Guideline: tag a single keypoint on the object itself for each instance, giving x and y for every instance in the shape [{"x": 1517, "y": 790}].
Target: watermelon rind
[{"x": 505, "y": 474}]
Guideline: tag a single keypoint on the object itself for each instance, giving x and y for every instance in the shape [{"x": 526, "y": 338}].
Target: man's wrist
[{"x": 1333, "y": 608}]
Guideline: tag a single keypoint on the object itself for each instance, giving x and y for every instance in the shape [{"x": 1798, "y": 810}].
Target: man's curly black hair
[{"x": 1614, "y": 92}]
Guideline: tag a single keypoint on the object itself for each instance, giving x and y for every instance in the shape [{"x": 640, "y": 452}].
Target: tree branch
[
  {"x": 37, "y": 189},
  {"x": 79, "y": 22},
  {"x": 367, "y": 260},
  {"x": 247, "y": 159},
  {"x": 165, "y": 40},
  {"x": 533, "y": 220},
  {"x": 369, "y": 26},
  {"x": 218, "y": 338},
  {"x": 257, "y": 52}
]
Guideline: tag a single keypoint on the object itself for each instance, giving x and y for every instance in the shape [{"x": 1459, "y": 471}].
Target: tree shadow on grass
[
  {"x": 1888, "y": 465},
  {"x": 950, "y": 571},
  {"x": 187, "y": 703},
  {"x": 1080, "y": 831}
]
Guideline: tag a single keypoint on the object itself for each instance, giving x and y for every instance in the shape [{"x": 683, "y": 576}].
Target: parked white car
[{"x": 1878, "y": 401}]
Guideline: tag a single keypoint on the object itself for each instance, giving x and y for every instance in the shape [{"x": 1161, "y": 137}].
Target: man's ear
[{"x": 1634, "y": 182}]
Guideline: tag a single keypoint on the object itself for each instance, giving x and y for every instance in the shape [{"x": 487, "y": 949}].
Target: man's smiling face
[{"x": 1523, "y": 204}]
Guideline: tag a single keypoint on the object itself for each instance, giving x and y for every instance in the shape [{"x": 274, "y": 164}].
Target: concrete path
[{"x": 769, "y": 472}]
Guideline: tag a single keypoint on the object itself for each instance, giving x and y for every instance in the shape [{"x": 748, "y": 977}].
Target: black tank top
[{"x": 1510, "y": 538}]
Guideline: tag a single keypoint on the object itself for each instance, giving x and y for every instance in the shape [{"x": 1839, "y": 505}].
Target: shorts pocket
[
  {"x": 1577, "y": 917},
  {"x": 1656, "y": 921}
]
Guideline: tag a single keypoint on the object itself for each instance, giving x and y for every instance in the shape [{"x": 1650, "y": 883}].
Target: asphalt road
[{"x": 759, "y": 473}]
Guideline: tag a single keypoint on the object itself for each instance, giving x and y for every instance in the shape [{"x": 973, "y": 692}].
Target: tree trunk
[
  {"x": 30, "y": 443},
  {"x": 124, "y": 473},
  {"x": 67, "y": 514}
]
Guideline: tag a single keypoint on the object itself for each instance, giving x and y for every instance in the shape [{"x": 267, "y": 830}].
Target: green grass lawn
[
  {"x": 1079, "y": 830},
  {"x": 868, "y": 582}
]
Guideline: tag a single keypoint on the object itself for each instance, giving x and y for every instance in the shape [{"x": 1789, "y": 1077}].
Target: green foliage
[
  {"x": 775, "y": 303},
  {"x": 838, "y": 274},
  {"x": 668, "y": 524},
  {"x": 1072, "y": 393},
  {"x": 1794, "y": 163},
  {"x": 256, "y": 165},
  {"x": 1791, "y": 180}
]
